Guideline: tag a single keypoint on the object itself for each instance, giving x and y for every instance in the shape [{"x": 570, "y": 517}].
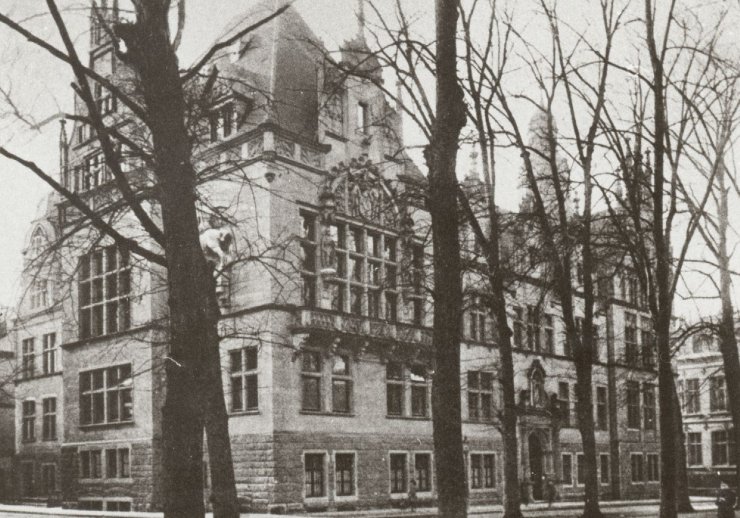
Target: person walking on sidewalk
[
  {"x": 412, "y": 495},
  {"x": 550, "y": 490},
  {"x": 725, "y": 501}
]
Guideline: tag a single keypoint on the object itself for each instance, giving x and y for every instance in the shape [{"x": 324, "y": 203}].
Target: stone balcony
[{"x": 321, "y": 320}]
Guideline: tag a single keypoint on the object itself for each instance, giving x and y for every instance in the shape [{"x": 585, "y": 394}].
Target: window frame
[
  {"x": 641, "y": 465},
  {"x": 324, "y": 472},
  {"x": 344, "y": 379},
  {"x": 633, "y": 405},
  {"x": 28, "y": 420},
  {"x": 49, "y": 353},
  {"x": 692, "y": 448},
  {"x": 602, "y": 408},
  {"x": 48, "y": 419},
  {"x": 248, "y": 380},
  {"x": 604, "y": 474},
  {"x": 120, "y": 389},
  {"x": 649, "y": 407},
  {"x": 430, "y": 474},
  {"x": 567, "y": 477},
  {"x": 479, "y": 458},
  {"x": 345, "y": 496},
  {"x": 478, "y": 393},
  {"x": 28, "y": 358},
  {"x": 652, "y": 467},
  {"x": 104, "y": 290},
  {"x": 392, "y": 472},
  {"x": 315, "y": 377}
]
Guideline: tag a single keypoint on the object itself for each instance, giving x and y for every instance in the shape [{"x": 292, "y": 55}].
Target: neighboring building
[
  {"x": 7, "y": 408},
  {"x": 326, "y": 361},
  {"x": 708, "y": 428}
]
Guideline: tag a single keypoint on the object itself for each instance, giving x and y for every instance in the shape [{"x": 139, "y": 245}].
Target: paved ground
[{"x": 705, "y": 508}]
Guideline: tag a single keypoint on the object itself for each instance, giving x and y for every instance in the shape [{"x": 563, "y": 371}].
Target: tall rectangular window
[
  {"x": 476, "y": 471},
  {"x": 423, "y": 471},
  {"x": 394, "y": 388},
  {"x": 105, "y": 395},
  {"x": 648, "y": 406},
  {"x": 39, "y": 293},
  {"x": 695, "y": 455},
  {"x": 636, "y": 468},
  {"x": 567, "y": 465},
  {"x": 633, "y": 405},
  {"x": 416, "y": 297},
  {"x": 549, "y": 334},
  {"x": 647, "y": 337},
  {"x": 29, "y": 421},
  {"x": 477, "y": 318},
  {"x": 581, "y": 468},
  {"x": 653, "y": 468},
  {"x": 341, "y": 385},
  {"x": 314, "y": 475},
  {"x": 244, "y": 379},
  {"x": 344, "y": 474},
  {"x": 104, "y": 292},
  {"x": 717, "y": 395},
  {"x": 311, "y": 380},
  {"x": 117, "y": 464},
  {"x": 398, "y": 473},
  {"x": 482, "y": 471},
  {"x": 604, "y": 468},
  {"x": 631, "y": 352},
  {"x": 309, "y": 247},
  {"x": 564, "y": 402},
  {"x": 720, "y": 448},
  {"x": 480, "y": 395},
  {"x": 693, "y": 396},
  {"x": 363, "y": 117},
  {"x": 49, "y": 353},
  {"x": 518, "y": 327},
  {"x": 28, "y": 365},
  {"x": 602, "y": 414},
  {"x": 533, "y": 328},
  {"x": 419, "y": 390},
  {"x": 49, "y": 419},
  {"x": 91, "y": 464}
]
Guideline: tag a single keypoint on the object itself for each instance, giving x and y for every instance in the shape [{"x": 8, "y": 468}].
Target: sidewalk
[{"x": 704, "y": 507}]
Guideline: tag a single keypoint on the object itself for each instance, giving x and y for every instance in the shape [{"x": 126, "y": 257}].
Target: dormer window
[
  {"x": 223, "y": 122},
  {"x": 104, "y": 100},
  {"x": 363, "y": 117}
]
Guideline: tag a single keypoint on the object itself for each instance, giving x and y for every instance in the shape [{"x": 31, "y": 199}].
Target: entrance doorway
[{"x": 536, "y": 466}]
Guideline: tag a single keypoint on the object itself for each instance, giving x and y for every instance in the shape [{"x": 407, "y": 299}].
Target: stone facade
[{"x": 326, "y": 368}]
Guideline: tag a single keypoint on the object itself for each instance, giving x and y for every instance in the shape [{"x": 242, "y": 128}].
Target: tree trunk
[
  {"x": 727, "y": 336},
  {"x": 584, "y": 408},
  {"x": 223, "y": 484},
  {"x": 682, "y": 473},
  {"x": 193, "y": 366},
  {"x": 441, "y": 156},
  {"x": 668, "y": 461},
  {"x": 512, "y": 497}
]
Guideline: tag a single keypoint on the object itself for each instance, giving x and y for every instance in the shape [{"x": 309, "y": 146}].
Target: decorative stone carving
[{"x": 216, "y": 240}]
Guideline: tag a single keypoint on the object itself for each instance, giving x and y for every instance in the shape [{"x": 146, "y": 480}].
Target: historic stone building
[
  {"x": 326, "y": 320},
  {"x": 710, "y": 444}
]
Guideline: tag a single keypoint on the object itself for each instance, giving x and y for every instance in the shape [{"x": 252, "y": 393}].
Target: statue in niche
[
  {"x": 328, "y": 252},
  {"x": 216, "y": 240}
]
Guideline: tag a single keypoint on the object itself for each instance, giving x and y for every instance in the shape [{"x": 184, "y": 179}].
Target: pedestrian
[
  {"x": 725, "y": 501},
  {"x": 412, "y": 495},
  {"x": 550, "y": 489}
]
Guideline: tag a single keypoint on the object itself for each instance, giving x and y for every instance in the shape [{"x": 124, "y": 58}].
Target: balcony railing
[{"x": 363, "y": 326}]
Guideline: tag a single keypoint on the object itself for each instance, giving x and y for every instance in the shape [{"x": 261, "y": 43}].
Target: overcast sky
[{"x": 40, "y": 88}]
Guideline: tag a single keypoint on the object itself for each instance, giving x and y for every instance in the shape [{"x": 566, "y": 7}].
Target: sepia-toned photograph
[{"x": 369, "y": 258}]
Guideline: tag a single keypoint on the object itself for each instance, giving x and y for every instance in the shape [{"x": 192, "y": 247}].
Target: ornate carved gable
[{"x": 361, "y": 192}]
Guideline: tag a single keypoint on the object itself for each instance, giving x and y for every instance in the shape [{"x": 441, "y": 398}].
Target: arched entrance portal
[{"x": 536, "y": 468}]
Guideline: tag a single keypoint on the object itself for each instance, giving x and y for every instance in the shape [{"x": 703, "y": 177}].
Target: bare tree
[{"x": 194, "y": 395}]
